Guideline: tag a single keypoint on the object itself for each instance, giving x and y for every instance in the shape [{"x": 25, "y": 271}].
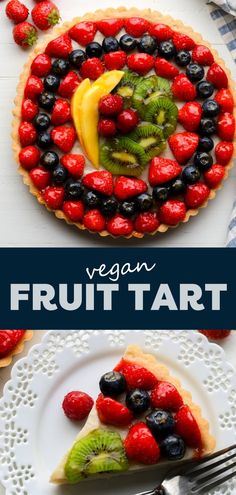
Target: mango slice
[{"x": 76, "y": 106}]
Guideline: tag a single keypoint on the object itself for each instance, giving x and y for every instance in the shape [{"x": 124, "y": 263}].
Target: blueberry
[
  {"x": 190, "y": 174},
  {"x": 207, "y": 127},
  {"x": 91, "y": 199},
  {"x": 138, "y": 401},
  {"x": 44, "y": 140},
  {"x": 110, "y": 44},
  {"x": 49, "y": 160},
  {"x": 183, "y": 58},
  {"x": 74, "y": 189},
  {"x": 147, "y": 44},
  {"x": 167, "y": 49},
  {"x": 59, "y": 175},
  {"x": 195, "y": 72},
  {"x": 109, "y": 207},
  {"x": 127, "y": 43},
  {"x": 160, "y": 422},
  {"x": 112, "y": 384},
  {"x": 160, "y": 193},
  {"x": 173, "y": 447},
  {"x": 51, "y": 83},
  {"x": 41, "y": 121},
  {"x": 128, "y": 208},
  {"x": 205, "y": 144},
  {"x": 46, "y": 100},
  {"x": 203, "y": 160},
  {"x": 60, "y": 67},
  {"x": 77, "y": 57},
  {"x": 94, "y": 49},
  {"x": 205, "y": 89},
  {"x": 144, "y": 202},
  {"x": 177, "y": 187},
  {"x": 210, "y": 108}
]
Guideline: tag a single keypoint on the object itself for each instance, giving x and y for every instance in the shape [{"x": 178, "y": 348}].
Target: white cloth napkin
[{"x": 228, "y": 5}]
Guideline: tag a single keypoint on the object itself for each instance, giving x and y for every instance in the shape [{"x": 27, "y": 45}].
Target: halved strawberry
[
  {"x": 136, "y": 376},
  {"x": 225, "y": 99},
  {"x": 74, "y": 163},
  {"x": 172, "y": 212},
  {"x": 100, "y": 181},
  {"x": 163, "y": 170},
  {"x": 59, "y": 47},
  {"x": 33, "y": 87},
  {"x": 64, "y": 137},
  {"x": 68, "y": 85},
  {"x": 128, "y": 187},
  {"x": 183, "y": 89},
  {"x": 187, "y": 427},
  {"x": 190, "y": 115},
  {"x": 40, "y": 177},
  {"x": 53, "y": 197},
  {"x": 140, "y": 62},
  {"x": 183, "y": 145},
  {"x": 115, "y": 60},
  {"x": 119, "y": 225},
  {"x": 160, "y": 31},
  {"x": 214, "y": 175},
  {"x": 226, "y": 126},
  {"x": 74, "y": 210},
  {"x": 224, "y": 152},
  {"x": 61, "y": 112},
  {"x": 141, "y": 446},
  {"x": 110, "y": 27},
  {"x": 166, "y": 69},
  {"x": 217, "y": 76},
  {"x": 196, "y": 195},
  {"x": 112, "y": 412},
  {"x": 183, "y": 42},
  {"x": 202, "y": 55},
  {"x": 166, "y": 396},
  {"x": 136, "y": 26},
  {"x": 83, "y": 32},
  {"x": 146, "y": 222},
  {"x": 94, "y": 220}
]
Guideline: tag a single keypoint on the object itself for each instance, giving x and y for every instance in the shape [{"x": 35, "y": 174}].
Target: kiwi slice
[
  {"x": 162, "y": 112},
  {"x": 101, "y": 451},
  {"x": 150, "y": 137},
  {"x": 123, "y": 156},
  {"x": 127, "y": 86},
  {"x": 147, "y": 90}
]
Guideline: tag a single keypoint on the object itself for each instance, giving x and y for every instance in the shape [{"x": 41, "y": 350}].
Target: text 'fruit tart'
[
  {"x": 124, "y": 122},
  {"x": 12, "y": 343},
  {"x": 141, "y": 417}
]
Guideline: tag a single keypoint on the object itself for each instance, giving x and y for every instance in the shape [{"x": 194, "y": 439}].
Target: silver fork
[{"x": 198, "y": 477}]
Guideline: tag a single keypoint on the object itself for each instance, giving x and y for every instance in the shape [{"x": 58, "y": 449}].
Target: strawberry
[
  {"x": 25, "y": 34},
  {"x": 141, "y": 446},
  {"x": 100, "y": 181},
  {"x": 83, "y": 32},
  {"x": 128, "y": 187},
  {"x": 59, "y": 47},
  {"x": 92, "y": 68},
  {"x": 29, "y": 110},
  {"x": 41, "y": 65},
  {"x": 68, "y": 85},
  {"x": 16, "y": 11},
  {"x": 74, "y": 210},
  {"x": 77, "y": 405},
  {"x": 225, "y": 100},
  {"x": 186, "y": 426},
  {"x": 190, "y": 115},
  {"x": 166, "y": 396},
  {"x": 202, "y": 55},
  {"x": 107, "y": 127},
  {"x": 183, "y": 89},
  {"x": 74, "y": 164},
  {"x": 160, "y": 31},
  {"x": 8, "y": 340},
  {"x": 163, "y": 170},
  {"x": 33, "y": 88},
  {"x": 215, "y": 334},
  {"x": 183, "y": 42},
  {"x": 40, "y": 177},
  {"x": 136, "y": 26},
  {"x": 45, "y": 15},
  {"x": 115, "y": 60},
  {"x": 226, "y": 126},
  {"x": 119, "y": 225},
  {"x": 94, "y": 221},
  {"x": 136, "y": 376},
  {"x": 140, "y": 62},
  {"x": 112, "y": 412},
  {"x": 224, "y": 152},
  {"x": 214, "y": 175},
  {"x": 61, "y": 112},
  {"x": 53, "y": 197},
  {"x": 146, "y": 222},
  {"x": 110, "y": 27},
  {"x": 183, "y": 145},
  {"x": 217, "y": 76},
  {"x": 172, "y": 212},
  {"x": 196, "y": 195},
  {"x": 29, "y": 157},
  {"x": 166, "y": 69},
  {"x": 27, "y": 134},
  {"x": 64, "y": 137},
  {"x": 110, "y": 104}
]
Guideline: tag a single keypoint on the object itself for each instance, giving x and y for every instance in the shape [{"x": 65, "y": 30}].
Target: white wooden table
[{"x": 22, "y": 221}]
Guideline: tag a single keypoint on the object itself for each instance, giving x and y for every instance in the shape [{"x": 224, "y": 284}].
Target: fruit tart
[
  {"x": 11, "y": 343},
  {"x": 142, "y": 417},
  {"x": 124, "y": 122}
]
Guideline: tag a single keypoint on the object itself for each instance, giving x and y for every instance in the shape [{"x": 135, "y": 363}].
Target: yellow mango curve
[{"x": 76, "y": 106}]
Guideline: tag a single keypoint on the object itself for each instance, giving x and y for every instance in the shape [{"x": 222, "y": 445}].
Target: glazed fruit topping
[
  {"x": 136, "y": 376},
  {"x": 77, "y": 405},
  {"x": 9, "y": 340},
  {"x": 112, "y": 412},
  {"x": 141, "y": 446},
  {"x": 112, "y": 384}
]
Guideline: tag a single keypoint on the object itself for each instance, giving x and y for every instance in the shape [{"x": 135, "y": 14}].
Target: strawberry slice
[
  {"x": 112, "y": 412},
  {"x": 226, "y": 126},
  {"x": 190, "y": 115},
  {"x": 202, "y": 55},
  {"x": 166, "y": 396},
  {"x": 64, "y": 137},
  {"x": 217, "y": 76},
  {"x": 136, "y": 376},
  {"x": 136, "y": 26},
  {"x": 225, "y": 100},
  {"x": 187, "y": 427},
  {"x": 214, "y": 175},
  {"x": 119, "y": 225},
  {"x": 74, "y": 163},
  {"x": 183, "y": 42},
  {"x": 110, "y": 27},
  {"x": 83, "y": 32},
  {"x": 40, "y": 177},
  {"x": 165, "y": 69},
  {"x": 196, "y": 195},
  {"x": 163, "y": 170},
  {"x": 183, "y": 89},
  {"x": 160, "y": 31},
  {"x": 141, "y": 446},
  {"x": 183, "y": 145},
  {"x": 127, "y": 187},
  {"x": 172, "y": 212},
  {"x": 215, "y": 334},
  {"x": 59, "y": 47},
  {"x": 224, "y": 152},
  {"x": 100, "y": 181},
  {"x": 68, "y": 85},
  {"x": 8, "y": 340}
]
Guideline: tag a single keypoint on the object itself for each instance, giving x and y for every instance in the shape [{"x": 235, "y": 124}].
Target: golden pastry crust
[
  {"x": 121, "y": 12},
  {"x": 17, "y": 350},
  {"x": 134, "y": 354}
]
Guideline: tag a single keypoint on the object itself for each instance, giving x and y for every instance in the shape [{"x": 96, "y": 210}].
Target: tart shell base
[{"x": 4, "y": 362}]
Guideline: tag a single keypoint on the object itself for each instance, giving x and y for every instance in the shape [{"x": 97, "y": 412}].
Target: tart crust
[
  {"x": 134, "y": 354},
  {"x": 4, "y": 362},
  {"x": 121, "y": 12}
]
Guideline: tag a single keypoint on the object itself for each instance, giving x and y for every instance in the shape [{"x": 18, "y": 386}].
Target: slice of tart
[
  {"x": 142, "y": 417},
  {"x": 11, "y": 343}
]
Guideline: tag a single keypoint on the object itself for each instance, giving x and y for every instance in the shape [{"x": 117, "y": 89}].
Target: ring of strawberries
[{"x": 165, "y": 132}]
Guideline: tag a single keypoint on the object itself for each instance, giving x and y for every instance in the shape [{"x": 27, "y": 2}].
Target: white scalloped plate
[{"x": 34, "y": 433}]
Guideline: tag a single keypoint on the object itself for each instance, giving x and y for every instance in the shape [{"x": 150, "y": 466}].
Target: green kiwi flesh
[
  {"x": 147, "y": 90},
  {"x": 151, "y": 138},
  {"x": 123, "y": 156},
  {"x": 127, "y": 86},
  {"x": 162, "y": 112}
]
